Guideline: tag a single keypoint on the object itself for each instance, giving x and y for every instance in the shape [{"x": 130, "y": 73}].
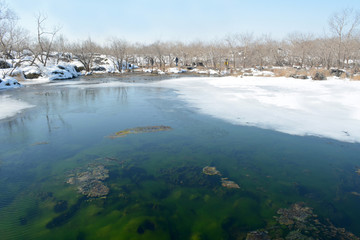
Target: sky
[{"x": 147, "y": 21}]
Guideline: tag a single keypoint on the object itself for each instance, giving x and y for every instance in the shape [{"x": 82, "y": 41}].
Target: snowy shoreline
[
  {"x": 10, "y": 107},
  {"x": 327, "y": 109}
]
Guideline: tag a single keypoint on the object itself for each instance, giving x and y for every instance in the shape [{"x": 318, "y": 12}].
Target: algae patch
[
  {"x": 299, "y": 222},
  {"x": 89, "y": 181},
  {"x": 136, "y": 130},
  {"x": 228, "y": 184},
  {"x": 225, "y": 182},
  {"x": 211, "y": 171}
]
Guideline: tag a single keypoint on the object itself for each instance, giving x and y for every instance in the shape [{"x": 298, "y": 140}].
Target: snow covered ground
[
  {"x": 328, "y": 109},
  {"x": 9, "y": 82}
]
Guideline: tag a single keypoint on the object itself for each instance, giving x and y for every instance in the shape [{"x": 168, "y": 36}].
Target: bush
[
  {"x": 79, "y": 69},
  {"x": 4, "y": 64},
  {"x": 319, "y": 76},
  {"x": 298, "y": 76},
  {"x": 336, "y": 72},
  {"x": 32, "y": 75}
]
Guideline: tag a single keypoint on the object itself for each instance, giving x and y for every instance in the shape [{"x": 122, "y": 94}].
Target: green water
[{"x": 157, "y": 188}]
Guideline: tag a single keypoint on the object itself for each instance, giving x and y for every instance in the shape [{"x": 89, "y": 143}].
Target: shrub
[
  {"x": 4, "y": 64},
  {"x": 319, "y": 76}
]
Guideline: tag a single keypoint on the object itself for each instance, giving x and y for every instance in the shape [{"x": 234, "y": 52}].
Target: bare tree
[
  {"x": 233, "y": 46},
  {"x": 261, "y": 50},
  {"x": 45, "y": 39},
  {"x": 343, "y": 25},
  {"x": 8, "y": 30},
  {"x": 245, "y": 40},
  {"x": 301, "y": 45},
  {"x": 13, "y": 39},
  {"x": 118, "y": 52},
  {"x": 159, "y": 53},
  {"x": 85, "y": 51},
  {"x": 61, "y": 46}
]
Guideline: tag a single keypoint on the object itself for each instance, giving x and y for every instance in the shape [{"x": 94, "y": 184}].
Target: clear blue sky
[{"x": 186, "y": 20}]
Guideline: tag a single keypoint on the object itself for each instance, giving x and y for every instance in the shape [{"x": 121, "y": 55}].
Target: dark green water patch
[{"x": 64, "y": 217}]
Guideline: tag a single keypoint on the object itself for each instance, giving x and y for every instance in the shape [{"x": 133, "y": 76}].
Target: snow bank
[
  {"x": 60, "y": 72},
  {"x": 176, "y": 70},
  {"x": 31, "y": 70},
  {"x": 210, "y": 71},
  {"x": 146, "y": 70},
  {"x": 10, "y": 107},
  {"x": 328, "y": 109},
  {"x": 9, "y": 82}
]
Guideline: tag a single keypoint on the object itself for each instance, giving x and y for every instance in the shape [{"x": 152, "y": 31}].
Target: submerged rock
[
  {"x": 225, "y": 182},
  {"x": 304, "y": 224},
  {"x": 355, "y": 193},
  {"x": 146, "y": 129},
  {"x": 93, "y": 188},
  {"x": 258, "y": 235},
  {"x": 296, "y": 212},
  {"x": 296, "y": 235},
  {"x": 228, "y": 184},
  {"x": 298, "y": 222},
  {"x": 89, "y": 181},
  {"x": 211, "y": 171}
]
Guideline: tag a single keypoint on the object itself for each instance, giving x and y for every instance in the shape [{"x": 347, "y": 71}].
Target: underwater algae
[
  {"x": 136, "y": 130},
  {"x": 300, "y": 222},
  {"x": 89, "y": 181},
  {"x": 225, "y": 182}
]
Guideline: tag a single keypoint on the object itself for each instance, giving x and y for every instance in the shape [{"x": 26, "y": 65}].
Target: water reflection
[{"x": 52, "y": 104}]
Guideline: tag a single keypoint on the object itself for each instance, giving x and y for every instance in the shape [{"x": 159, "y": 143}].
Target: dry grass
[
  {"x": 355, "y": 77},
  {"x": 283, "y": 72},
  {"x": 19, "y": 77},
  {"x": 237, "y": 74},
  {"x": 343, "y": 75},
  {"x": 325, "y": 72},
  {"x": 287, "y": 72}
]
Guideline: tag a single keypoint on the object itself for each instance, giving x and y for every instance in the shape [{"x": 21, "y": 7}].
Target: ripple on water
[{"x": 15, "y": 217}]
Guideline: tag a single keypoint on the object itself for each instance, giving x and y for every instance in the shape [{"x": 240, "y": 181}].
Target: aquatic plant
[
  {"x": 211, "y": 171},
  {"x": 136, "y": 130},
  {"x": 89, "y": 181},
  {"x": 299, "y": 222}
]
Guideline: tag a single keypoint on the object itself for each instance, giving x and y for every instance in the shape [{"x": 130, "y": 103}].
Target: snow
[
  {"x": 61, "y": 72},
  {"x": 10, "y": 107},
  {"x": 176, "y": 70},
  {"x": 210, "y": 71},
  {"x": 9, "y": 82},
  {"x": 301, "y": 107},
  {"x": 146, "y": 70},
  {"x": 31, "y": 70}
]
